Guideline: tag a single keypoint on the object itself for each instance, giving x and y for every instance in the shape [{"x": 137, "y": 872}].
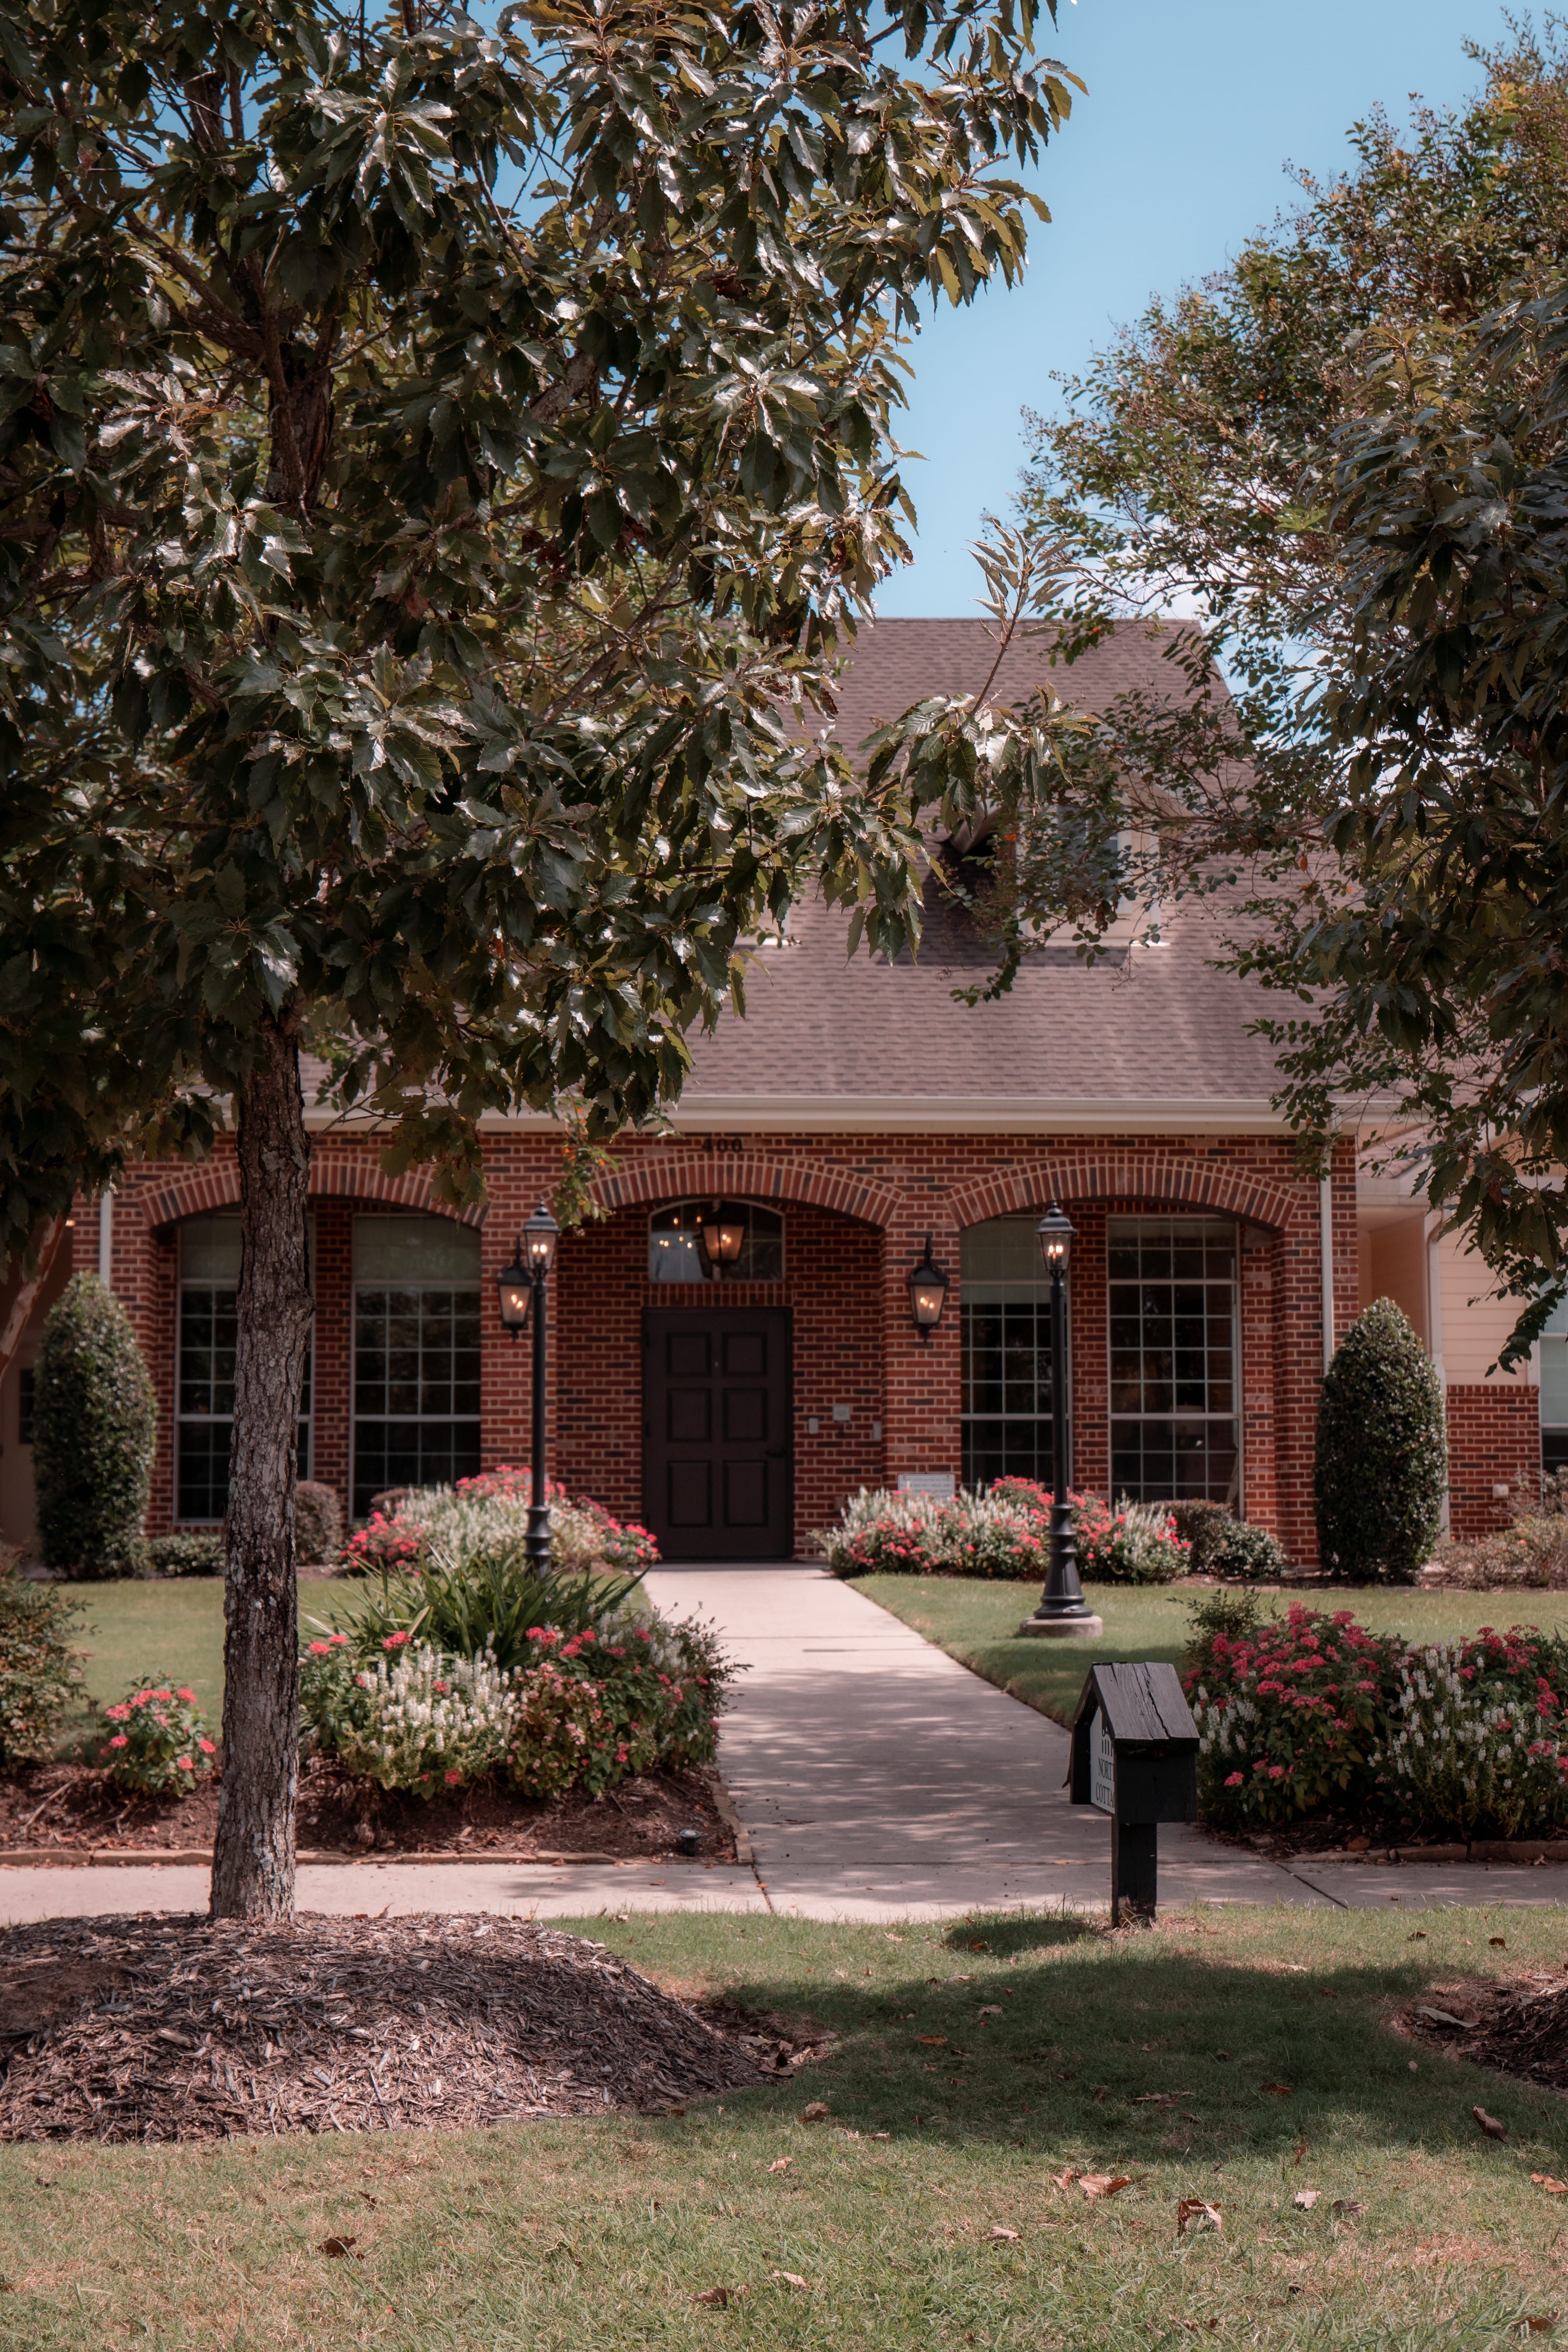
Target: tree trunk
[{"x": 253, "y": 1859}]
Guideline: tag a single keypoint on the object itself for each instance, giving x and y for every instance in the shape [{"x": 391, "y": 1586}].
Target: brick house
[{"x": 858, "y": 1112}]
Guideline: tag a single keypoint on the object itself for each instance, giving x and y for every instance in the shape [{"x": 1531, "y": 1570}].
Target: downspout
[
  {"x": 1326, "y": 1247},
  {"x": 106, "y": 1238},
  {"x": 1434, "y": 1323}
]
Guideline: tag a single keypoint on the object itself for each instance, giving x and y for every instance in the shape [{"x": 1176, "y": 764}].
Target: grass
[
  {"x": 574, "y": 2237},
  {"x": 138, "y": 1629},
  {"x": 977, "y": 1623}
]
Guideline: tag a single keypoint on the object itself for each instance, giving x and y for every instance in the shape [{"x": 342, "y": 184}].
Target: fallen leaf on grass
[
  {"x": 1540, "y": 2323},
  {"x": 999, "y": 2233},
  {"x": 992, "y": 2009},
  {"x": 1281, "y": 2090},
  {"x": 1553, "y": 2188},
  {"x": 815, "y": 2113},
  {"x": 932, "y": 2040},
  {"x": 781, "y": 2164},
  {"x": 977, "y": 1945},
  {"x": 1489, "y": 2124},
  {"x": 1417, "y": 1936},
  {"x": 1305, "y": 2198},
  {"x": 1446, "y": 2017},
  {"x": 336, "y": 2248},
  {"x": 1349, "y": 2206},
  {"x": 1104, "y": 2184},
  {"x": 789, "y": 2278},
  {"x": 1499, "y": 1940},
  {"x": 1195, "y": 2213},
  {"x": 718, "y": 2296},
  {"x": 1155, "y": 2099},
  {"x": 1301, "y": 2151},
  {"x": 1064, "y": 2180}
]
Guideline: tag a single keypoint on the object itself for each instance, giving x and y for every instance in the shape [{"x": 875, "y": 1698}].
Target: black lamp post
[
  {"x": 1063, "y": 1609},
  {"x": 522, "y": 1286}
]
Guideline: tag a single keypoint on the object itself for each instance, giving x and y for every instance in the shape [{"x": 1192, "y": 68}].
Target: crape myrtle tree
[
  {"x": 1343, "y": 454},
  {"x": 440, "y": 461}
]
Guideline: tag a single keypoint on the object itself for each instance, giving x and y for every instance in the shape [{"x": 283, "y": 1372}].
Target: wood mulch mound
[
  {"x": 65, "y": 1807},
  {"x": 153, "y": 2028},
  {"x": 1519, "y": 2027}
]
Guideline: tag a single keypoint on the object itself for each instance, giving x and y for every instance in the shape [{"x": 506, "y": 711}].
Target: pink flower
[
  {"x": 453, "y": 1778},
  {"x": 206, "y": 1747},
  {"x": 396, "y": 1641},
  {"x": 117, "y": 1714},
  {"x": 185, "y": 1764},
  {"x": 1234, "y": 1782},
  {"x": 188, "y": 1695},
  {"x": 320, "y": 1649},
  {"x": 120, "y": 1740}
]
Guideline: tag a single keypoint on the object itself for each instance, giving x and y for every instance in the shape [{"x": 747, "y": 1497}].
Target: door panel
[{"x": 717, "y": 1473}]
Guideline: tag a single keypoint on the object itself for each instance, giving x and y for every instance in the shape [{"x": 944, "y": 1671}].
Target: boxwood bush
[
  {"x": 1382, "y": 1452},
  {"x": 40, "y": 1673},
  {"x": 94, "y": 1420}
]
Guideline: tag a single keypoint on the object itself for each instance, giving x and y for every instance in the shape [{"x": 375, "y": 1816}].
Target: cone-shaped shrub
[
  {"x": 94, "y": 1419},
  {"x": 1382, "y": 1452}
]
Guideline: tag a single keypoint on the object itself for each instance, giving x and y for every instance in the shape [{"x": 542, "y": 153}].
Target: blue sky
[{"x": 1195, "y": 108}]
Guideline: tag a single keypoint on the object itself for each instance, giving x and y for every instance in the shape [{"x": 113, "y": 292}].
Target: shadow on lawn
[{"x": 1131, "y": 2049}]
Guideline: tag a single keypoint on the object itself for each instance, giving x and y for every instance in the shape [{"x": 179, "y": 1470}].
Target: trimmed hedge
[
  {"x": 317, "y": 1523},
  {"x": 40, "y": 1668},
  {"x": 188, "y": 1554},
  {"x": 94, "y": 1421},
  {"x": 1382, "y": 1452}
]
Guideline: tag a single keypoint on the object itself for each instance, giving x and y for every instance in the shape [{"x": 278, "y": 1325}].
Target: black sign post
[{"x": 1135, "y": 1757}]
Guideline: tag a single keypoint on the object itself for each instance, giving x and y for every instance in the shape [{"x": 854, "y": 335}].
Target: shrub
[
  {"x": 490, "y": 1600},
  {"x": 164, "y": 1744},
  {"x": 1202, "y": 1525},
  {"x": 989, "y": 1535},
  {"x": 1246, "y": 1552},
  {"x": 1290, "y": 1712},
  {"x": 40, "y": 1673},
  {"x": 1531, "y": 1556},
  {"x": 1477, "y": 1741},
  {"x": 381, "y": 1546},
  {"x": 318, "y": 1522},
  {"x": 489, "y": 1511},
  {"x": 190, "y": 1554},
  {"x": 1136, "y": 1543},
  {"x": 1381, "y": 1454},
  {"x": 415, "y": 1719},
  {"x": 94, "y": 1419}
]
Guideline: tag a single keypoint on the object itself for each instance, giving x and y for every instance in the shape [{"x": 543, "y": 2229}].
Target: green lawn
[
  {"x": 138, "y": 1629},
  {"x": 978, "y": 1622},
  {"x": 596, "y": 2237}
]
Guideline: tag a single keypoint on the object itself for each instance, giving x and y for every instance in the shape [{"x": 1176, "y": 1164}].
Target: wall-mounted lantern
[
  {"x": 722, "y": 1230},
  {"x": 928, "y": 1295}
]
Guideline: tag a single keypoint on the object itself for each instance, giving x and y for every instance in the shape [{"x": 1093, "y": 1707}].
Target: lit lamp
[
  {"x": 721, "y": 1235},
  {"x": 1063, "y": 1609},
  {"x": 928, "y": 1295},
  {"x": 520, "y": 1287}
]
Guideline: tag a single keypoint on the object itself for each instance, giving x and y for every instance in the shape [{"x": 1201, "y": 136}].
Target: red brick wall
[
  {"x": 856, "y": 1210},
  {"x": 1494, "y": 1439}
]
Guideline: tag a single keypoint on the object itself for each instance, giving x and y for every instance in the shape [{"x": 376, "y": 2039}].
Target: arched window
[
  {"x": 416, "y": 1354},
  {"x": 1171, "y": 1286},
  {"x": 1005, "y": 1334},
  {"x": 675, "y": 1251},
  {"x": 206, "y": 1332}
]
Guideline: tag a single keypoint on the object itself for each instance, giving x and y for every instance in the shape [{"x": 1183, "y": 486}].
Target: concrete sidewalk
[{"x": 879, "y": 1779}]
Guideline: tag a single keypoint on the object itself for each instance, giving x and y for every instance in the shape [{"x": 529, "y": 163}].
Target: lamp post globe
[{"x": 1062, "y": 1609}]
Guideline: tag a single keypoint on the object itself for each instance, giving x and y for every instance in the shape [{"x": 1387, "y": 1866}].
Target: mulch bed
[
  {"x": 150, "y": 2028},
  {"x": 68, "y": 1806},
  {"x": 1519, "y": 2027}
]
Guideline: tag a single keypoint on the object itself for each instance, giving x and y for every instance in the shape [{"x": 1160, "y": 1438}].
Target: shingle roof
[{"x": 1156, "y": 1038}]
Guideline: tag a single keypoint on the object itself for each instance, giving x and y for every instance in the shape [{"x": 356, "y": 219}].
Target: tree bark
[{"x": 253, "y": 1857}]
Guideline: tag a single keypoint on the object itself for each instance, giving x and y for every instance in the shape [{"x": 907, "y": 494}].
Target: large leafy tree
[
  {"x": 1343, "y": 455},
  {"x": 439, "y": 462}
]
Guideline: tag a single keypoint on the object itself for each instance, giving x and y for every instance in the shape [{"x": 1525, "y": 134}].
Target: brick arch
[
  {"x": 209, "y": 1188},
  {"x": 1124, "y": 1176},
  {"x": 745, "y": 1176}
]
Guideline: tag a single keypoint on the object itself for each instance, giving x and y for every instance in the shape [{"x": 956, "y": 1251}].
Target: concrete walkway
[{"x": 879, "y": 1779}]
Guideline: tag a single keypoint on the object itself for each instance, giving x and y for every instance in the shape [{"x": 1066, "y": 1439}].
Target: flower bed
[
  {"x": 583, "y": 1710},
  {"x": 1309, "y": 1714},
  {"x": 490, "y": 1511},
  {"x": 1004, "y": 1532}
]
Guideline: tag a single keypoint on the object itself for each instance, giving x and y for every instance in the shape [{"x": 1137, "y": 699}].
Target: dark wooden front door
[{"x": 716, "y": 1432}]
